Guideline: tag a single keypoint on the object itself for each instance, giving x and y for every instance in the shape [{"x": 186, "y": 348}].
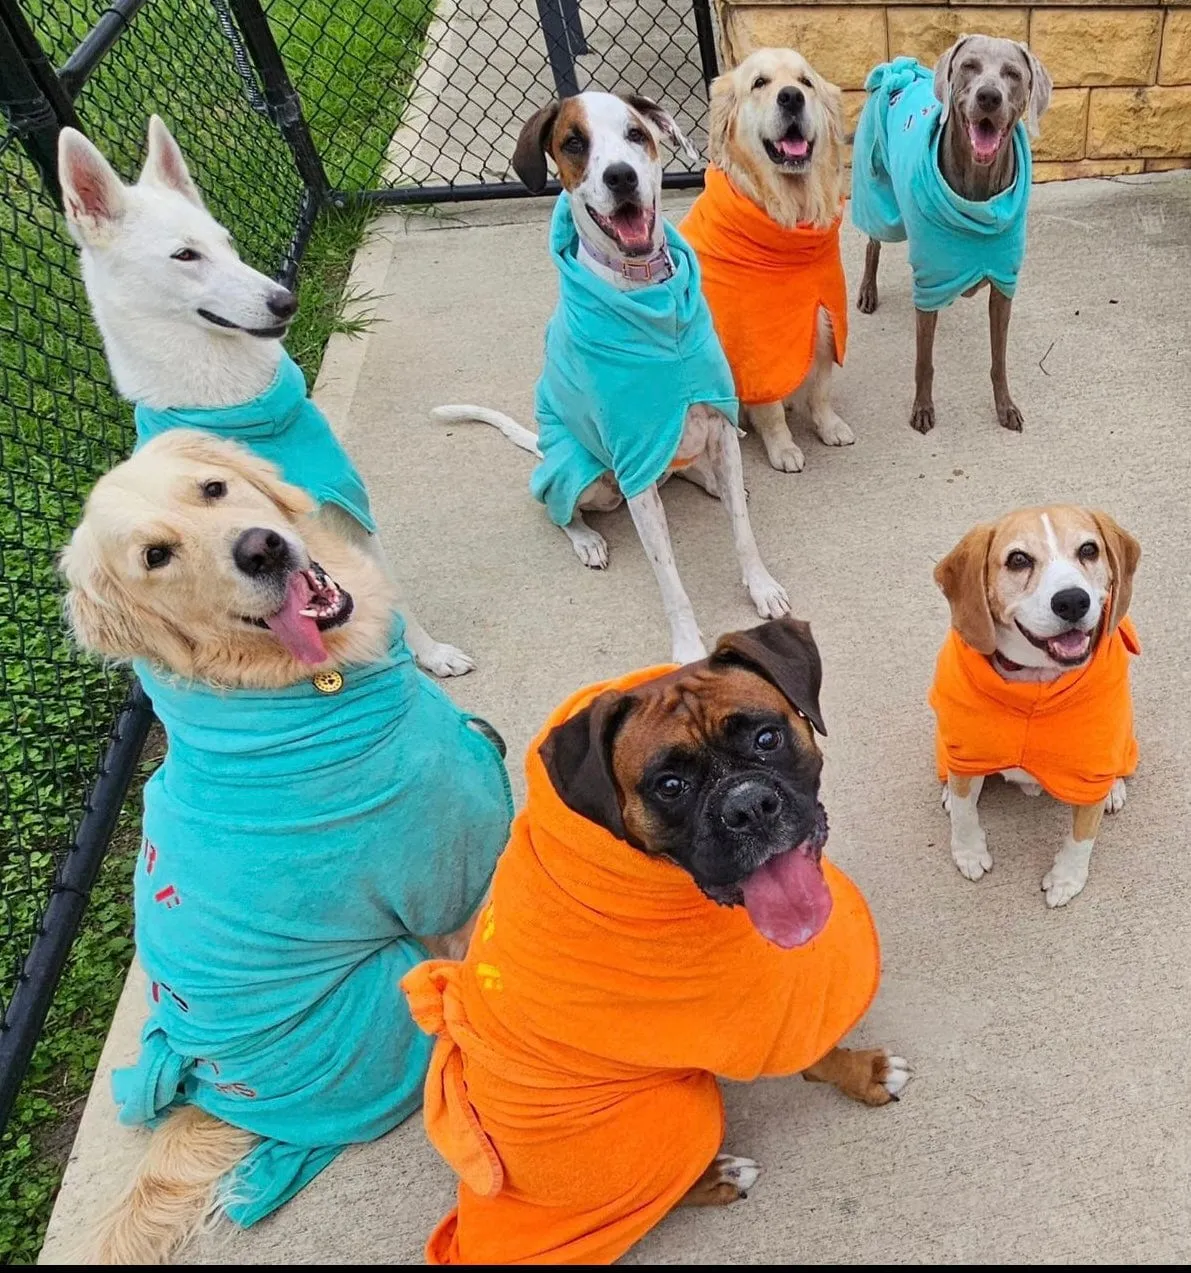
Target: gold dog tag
[{"x": 330, "y": 682}]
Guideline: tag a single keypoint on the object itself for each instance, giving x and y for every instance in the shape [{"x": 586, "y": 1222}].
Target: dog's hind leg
[
  {"x": 649, "y": 517},
  {"x": 866, "y": 296},
  {"x": 831, "y": 429},
  {"x": 174, "y": 1192},
  {"x": 727, "y": 1179},
  {"x": 769, "y": 420},
  {"x": 999, "y": 309}
]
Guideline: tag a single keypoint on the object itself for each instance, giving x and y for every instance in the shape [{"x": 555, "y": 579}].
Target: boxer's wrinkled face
[{"x": 715, "y": 767}]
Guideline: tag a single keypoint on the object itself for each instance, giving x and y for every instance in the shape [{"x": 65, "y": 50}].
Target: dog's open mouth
[
  {"x": 787, "y": 897},
  {"x": 262, "y": 332},
  {"x": 630, "y": 226},
  {"x": 986, "y": 139},
  {"x": 791, "y": 151},
  {"x": 1069, "y": 648},
  {"x": 314, "y": 602}
]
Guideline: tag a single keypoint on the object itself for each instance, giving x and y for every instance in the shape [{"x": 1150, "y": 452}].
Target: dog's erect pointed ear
[
  {"x": 529, "y": 158},
  {"x": 943, "y": 68},
  {"x": 578, "y": 757},
  {"x": 785, "y": 654},
  {"x": 721, "y": 111},
  {"x": 962, "y": 577},
  {"x": 92, "y": 194},
  {"x": 1124, "y": 552},
  {"x": 663, "y": 121},
  {"x": 164, "y": 165},
  {"x": 1040, "y": 86}
]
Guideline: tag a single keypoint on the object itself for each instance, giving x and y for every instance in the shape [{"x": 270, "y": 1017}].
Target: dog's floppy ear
[
  {"x": 663, "y": 121},
  {"x": 1124, "y": 552},
  {"x": 1040, "y": 86},
  {"x": 962, "y": 578},
  {"x": 92, "y": 194},
  {"x": 529, "y": 158},
  {"x": 785, "y": 654},
  {"x": 721, "y": 112},
  {"x": 943, "y": 69},
  {"x": 164, "y": 165},
  {"x": 578, "y": 757}
]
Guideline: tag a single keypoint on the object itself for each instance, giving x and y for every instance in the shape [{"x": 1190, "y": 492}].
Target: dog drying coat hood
[
  {"x": 765, "y": 285},
  {"x": 573, "y": 1083},
  {"x": 284, "y": 426},
  {"x": 898, "y": 192},
  {"x": 622, "y": 368},
  {"x": 294, "y": 842},
  {"x": 1074, "y": 735}
]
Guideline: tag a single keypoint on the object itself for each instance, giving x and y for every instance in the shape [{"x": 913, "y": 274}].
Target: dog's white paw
[
  {"x": 1063, "y": 881},
  {"x": 590, "y": 547},
  {"x": 770, "y": 598},
  {"x": 445, "y": 660},
  {"x": 833, "y": 431},
  {"x": 741, "y": 1172},
  {"x": 971, "y": 854},
  {"x": 786, "y": 457},
  {"x": 1030, "y": 788},
  {"x": 945, "y": 798},
  {"x": 897, "y": 1075},
  {"x": 1114, "y": 802}
]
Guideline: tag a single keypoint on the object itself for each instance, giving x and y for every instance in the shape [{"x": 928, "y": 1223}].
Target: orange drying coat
[
  {"x": 765, "y": 285},
  {"x": 573, "y": 1081},
  {"x": 1074, "y": 735}
]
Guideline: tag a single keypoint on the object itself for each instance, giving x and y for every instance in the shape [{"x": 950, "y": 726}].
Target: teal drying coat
[
  {"x": 899, "y": 193},
  {"x": 283, "y": 425},
  {"x": 294, "y": 843},
  {"x": 622, "y": 369}
]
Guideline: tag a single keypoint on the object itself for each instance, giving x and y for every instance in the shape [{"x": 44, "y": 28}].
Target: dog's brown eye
[
  {"x": 185, "y": 254},
  {"x": 769, "y": 740},
  {"x": 1011, "y": 72},
  {"x": 1089, "y": 551},
  {"x": 575, "y": 144},
  {"x": 636, "y": 136},
  {"x": 157, "y": 555},
  {"x": 669, "y": 787},
  {"x": 215, "y": 489},
  {"x": 1017, "y": 560},
  {"x": 805, "y": 81},
  {"x": 760, "y": 81}
]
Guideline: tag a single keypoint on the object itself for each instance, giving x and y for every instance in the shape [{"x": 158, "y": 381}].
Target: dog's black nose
[
  {"x": 283, "y": 303},
  {"x": 261, "y": 552},
  {"x": 750, "y": 807},
  {"x": 791, "y": 99},
  {"x": 621, "y": 179},
  {"x": 1071, "y": 604},
  {"x": 988, "y": 97}
]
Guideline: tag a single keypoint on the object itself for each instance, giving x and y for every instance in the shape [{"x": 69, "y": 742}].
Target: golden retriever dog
[
  {"x": 766, "y": 231},
  {"x": 320, "y": 803}
]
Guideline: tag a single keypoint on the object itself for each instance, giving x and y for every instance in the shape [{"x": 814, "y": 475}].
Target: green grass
[{"x": 61, "y": 426}]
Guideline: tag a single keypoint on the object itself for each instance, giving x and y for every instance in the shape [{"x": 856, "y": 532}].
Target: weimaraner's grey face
[{"x": 989, "y": 84}]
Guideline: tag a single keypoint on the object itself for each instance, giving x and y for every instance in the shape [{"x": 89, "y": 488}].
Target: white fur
[
  {"x": 969, "y": 844},
  {"x": 741, "y": 1172},
  {"x": 897, "y": 1075},
  {"x": 1069, "y": 873}
]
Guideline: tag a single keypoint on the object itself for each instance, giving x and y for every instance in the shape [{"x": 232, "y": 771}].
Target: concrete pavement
[{"x": 1047, "y": 1117}]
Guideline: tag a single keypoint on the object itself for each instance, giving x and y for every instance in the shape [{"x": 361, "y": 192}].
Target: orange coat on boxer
[
  {"x": 1074, "y": 735},
  {"x": 765, "y": 285},
  {"x": 572, "y": 1085}
]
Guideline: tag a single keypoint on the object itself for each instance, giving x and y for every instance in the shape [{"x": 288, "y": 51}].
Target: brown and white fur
[
  {"x": 191, "y": 611},
  {"x": 185, "y": 322},
  {"x": 771, "y": 95},
  {"x": 986, "y": 86},
  {"x": 606, "y": 151},
  {"x": 1014, "y": 587}
]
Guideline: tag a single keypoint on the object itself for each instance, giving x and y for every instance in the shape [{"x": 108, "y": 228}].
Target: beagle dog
[{"x": 1033, "y": 680}]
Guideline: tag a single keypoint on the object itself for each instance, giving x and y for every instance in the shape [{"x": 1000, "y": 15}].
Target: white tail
[
  {"x": 174, "y": 1193},
  {"x": 518, "y": 434}
]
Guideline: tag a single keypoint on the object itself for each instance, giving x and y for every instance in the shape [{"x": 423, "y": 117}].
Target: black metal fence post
[
  {"x": 705, "y": 33},
  {"x": 562, "y": 29}
]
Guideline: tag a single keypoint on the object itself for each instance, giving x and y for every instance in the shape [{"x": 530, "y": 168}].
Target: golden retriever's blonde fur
[
  {"x": 744, "y": 115},
  {"x": 188, "y": 614}
]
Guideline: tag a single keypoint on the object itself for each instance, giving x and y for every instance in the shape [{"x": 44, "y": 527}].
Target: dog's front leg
[
  {"x": 922, "y": 415},
  {"x": 727, "y": 1179},
  {"x": 769, "y": 419},
  {"x": 831, "y": 429},
  {"x": 435, "y": 656},
  {"x": 872, "y": 1076},
  {"x": 768, "y": 595},
  {"x": 866, "y": 297},
  {"x": 969, "y": 844},
  {"x": 649, "y": 517},
  {"x": 999, "y": 308},
  {"x": 1069, "y": 873}
]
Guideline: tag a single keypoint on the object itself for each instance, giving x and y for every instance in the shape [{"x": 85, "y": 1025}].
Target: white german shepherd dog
[{"x": 185, "y": 322}]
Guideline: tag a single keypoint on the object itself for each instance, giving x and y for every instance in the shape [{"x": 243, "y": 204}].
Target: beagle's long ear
[
  {"x": 943, "y": 69},
  {"x": 963, "y": 578},
  {"x": 1040, "y": 86},
  {"x": 164, "y": 165},
  {"x": 92, "y": 194},
  {"x": 578, "y": 757},
  {"x": 785, "y": 654},
  {"x": 663, "y": 121},
  {"x": 721, "y": 114},
  {"x": 1124, "y": 552},
  {"x": 529, "y": 157}
]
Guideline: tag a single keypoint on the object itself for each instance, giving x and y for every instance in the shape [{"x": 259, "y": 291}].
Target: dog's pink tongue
[
  {"x": 986, "y": 140},
  {"x": 298, "y": 632},
  {"x": 792, "y": 147},
  {"x": 1070, "y": 645},
  {"x": 632, "y": 225},
  {"x": 788, "y": 899}
]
